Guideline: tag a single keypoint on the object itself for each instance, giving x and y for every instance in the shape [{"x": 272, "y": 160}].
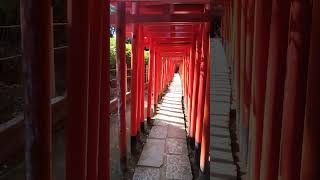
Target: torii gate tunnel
[{"x": 272, "y": 49}]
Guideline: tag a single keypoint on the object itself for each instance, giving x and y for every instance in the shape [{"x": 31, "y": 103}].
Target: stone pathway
[
  {"x": 221, "y": 160},
  {"x": 165, "y": 154}
]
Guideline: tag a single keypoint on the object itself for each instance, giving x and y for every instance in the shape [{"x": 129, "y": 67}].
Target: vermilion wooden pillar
[
  {"x": 295, "y": 90},
  {"x": 36, "y": 42},
  {"x": 274, "y": 89},
  {"x": 195, "y": 88},
  {"x": 95, "y": 54},
  {"x": 150, "y": 82},
  {"x": 121, "y": 81},
  {"x": 134, "y": 82},
  {"x": 259, "y": 75},
  {"x": 201, "y": 94},
  {"x": 141, "y": 79},
  {"x": 311, "y": 143},
  {"x": 190, "y": 91},
  {"x": 77, "y": 90},
  {"x": 104, "y": 125},
  {"x": 205, "y": 142},
  {"x": 156, "y": 74}
]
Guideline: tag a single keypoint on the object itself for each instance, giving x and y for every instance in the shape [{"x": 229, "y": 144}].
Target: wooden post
[
  {"x": 121, "y": 82},
  {"x": 134, "y": 81},
  {"x": 259, "y": 75},
  {"x": 201, "y": 94},
  {"x": 104, "y": 126},
  {"x": 295, "y": 90},
  {"x": 311, "y": 143},
  {"x": 274, "y": 90},
  {"x": 195, "y": 88},
  {"x": 95, "y": 61},
  {"x": 36, "y": 31}
]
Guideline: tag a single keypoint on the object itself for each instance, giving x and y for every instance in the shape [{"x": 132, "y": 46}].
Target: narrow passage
[{"x": 165, "y": 155}]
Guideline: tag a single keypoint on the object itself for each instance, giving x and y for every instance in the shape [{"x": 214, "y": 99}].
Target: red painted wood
[
  {"x": 260, "y": 60},
  {"x": 274, "y": 90},
  {"x": 104, "y": 135},
  {"x": 202, "y": 85},
  {"x": 121, "y": 82},
  {"x": 205, "y": 142},
  {"x": 36, "y": 42},
  {"x": 77, "y": 90},
  {"x": 311, "y": 143},
  {"x": 191, "y": 70},
  {"x": 151, "y": 80},
  {"x": 134, "y": 80},
  {"x": 295, "y": 90},
  {"x": 95, "y": 61},
  {"x": 196, "y": 86}
]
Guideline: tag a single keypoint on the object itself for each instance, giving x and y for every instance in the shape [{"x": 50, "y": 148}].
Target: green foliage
[{"x": 113, "y": 53}]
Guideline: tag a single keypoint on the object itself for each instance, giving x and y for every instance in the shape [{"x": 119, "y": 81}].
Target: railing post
[{"x": 36, "y": 30}]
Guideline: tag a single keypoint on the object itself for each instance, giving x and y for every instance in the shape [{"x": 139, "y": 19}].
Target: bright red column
[
  {"x": 134, "y": 82},
  {"x": 141, "y": 80},
  {"x": 191, "y": 70},
  {"x": 295, "y": 90},
  {"x": 95, "y": 54},
  {"x": 150, "y": 82},
  {"x": 121, "y": 81},
  {"x": 36, "y": 42},
  {"x": 201, "y": 93},
  {"x": 311, "y": 144},
  {"x": 155, "y": 91},
  {"x": 104, "y": 125},
  {"x": 259, "y": 75},
  {"x": 205, "y": 135},
  {"x": 274, "y": 90},
  {"x": 195, "y": 88}
]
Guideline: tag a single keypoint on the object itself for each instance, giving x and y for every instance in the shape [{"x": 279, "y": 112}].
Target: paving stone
[
  {"x": 215, "y": 122},
  {"x": 153, "y": 153},
  {"x": 171, "y": 114},
  {"x": 146, "y": 173},
  {"x": 224, "y": 171},
  {"x": 221, "y": 156},
  {"x": 221, "y": 145},
  {"x": 158, "y": 132},
  {"x": 178, "y": 167},
  {"x": 220, "y": 132},
  {"x": 174, "y": 132},
  {"x": 176, "y": 146}
]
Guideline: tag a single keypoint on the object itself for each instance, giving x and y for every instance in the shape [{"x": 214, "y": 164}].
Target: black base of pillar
[
  {"x": 197, "y": 151},
  {"x": 205, "y": 174},
  {"x": 142, "y": 127},
  {"x": 123, "y": 164},
  {"x": 133, "y": 144},
  {"x": 149, "y": 121},
  {"x": 191, "y": 142}
]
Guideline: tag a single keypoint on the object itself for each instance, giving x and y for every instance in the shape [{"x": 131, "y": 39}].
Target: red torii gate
[{"x": 180, "y": 24}]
